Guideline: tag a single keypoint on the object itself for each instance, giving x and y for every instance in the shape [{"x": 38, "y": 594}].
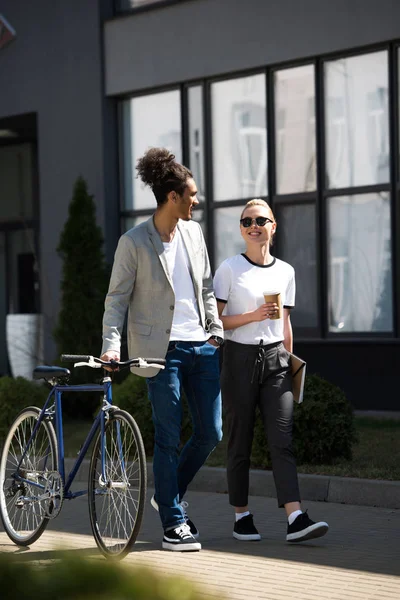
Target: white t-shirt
[
  {"x": 186, "y": 324},
  {"x": 240, "y": 283}
]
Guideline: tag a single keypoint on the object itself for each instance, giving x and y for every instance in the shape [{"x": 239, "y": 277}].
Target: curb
[{"x": 317, "y": 488}]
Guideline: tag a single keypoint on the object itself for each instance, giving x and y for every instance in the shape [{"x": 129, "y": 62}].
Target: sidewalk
[
  {"x": 357, "y": 560},
  {"x": 321, "y": 488}
]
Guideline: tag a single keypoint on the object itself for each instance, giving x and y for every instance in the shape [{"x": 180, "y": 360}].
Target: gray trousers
[{"x": 254, "y": 375}]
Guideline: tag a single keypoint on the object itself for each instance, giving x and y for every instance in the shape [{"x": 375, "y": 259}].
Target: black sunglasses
[{"x": 260, "y": 221}]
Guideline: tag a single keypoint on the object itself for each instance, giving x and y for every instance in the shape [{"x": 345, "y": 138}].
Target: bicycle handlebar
[{"x": 86, "y": 360}]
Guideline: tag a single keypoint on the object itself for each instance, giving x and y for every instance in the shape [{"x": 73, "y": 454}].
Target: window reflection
[
  {"x": 228, "y": 240},
  {"x": 360, "y": 266},
  {"x": 196, "y": 138},
  {"x": 239, "y": 138},
  {"x": 357, "y": 130},
  {"x": 16, "y": 172},
  {"x": 129, "y": 222},
  {"x": 153, "y": 120},
  {"x": 398, "y": 108},
  {"x": 199, "y": 217},
  {"x": 127, "y": 4},
  {"x": 295, "y": 130},
  {"x": 296, "y": 238}
]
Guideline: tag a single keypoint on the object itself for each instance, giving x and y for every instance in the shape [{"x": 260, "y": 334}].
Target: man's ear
[{"x": 172, "y": 196}]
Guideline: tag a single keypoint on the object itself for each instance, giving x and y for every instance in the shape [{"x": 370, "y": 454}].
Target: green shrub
[
  {"x": 84, "y": 284},
  {"x": 83, "y": 579},
  {"x": 16, "y": 394},
  {"x": 323, "y": 429},
  {"x": 131, "y": 395}
]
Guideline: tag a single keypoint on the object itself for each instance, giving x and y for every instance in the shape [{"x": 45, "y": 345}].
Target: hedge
[
  {"x": 323, "y": 432},
  {"x": 16, "y": 394}
]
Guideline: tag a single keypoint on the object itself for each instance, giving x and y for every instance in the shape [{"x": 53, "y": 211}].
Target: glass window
[
  {"x": 16, "y": 182},
  {"x": 24, "y": 281},
  {"x": 199, "y": 216},
  {"x": 295, "y": 130},
  {"x": 239, "y": 138},
  {"x": 128, "y": 4},
  {"x": 360, "y": 265},
  {"x": 196, "y": 138},
  {"x": 228, "y": 240},
  {"x": 296, "y": 238},
  {"x": 3, "y": 305},
  {"x": 153, "y": 120},
  {"x": 357, "y": 127},
  {"x": 130, "y": 222},
  {"x": 398, "y": 91}
]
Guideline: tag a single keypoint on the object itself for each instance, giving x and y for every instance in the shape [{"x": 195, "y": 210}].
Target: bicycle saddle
[{"x": 49, "y": 372}]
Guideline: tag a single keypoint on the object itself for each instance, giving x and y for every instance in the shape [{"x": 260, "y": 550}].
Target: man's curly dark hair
[{"x": 159, "y": 170}]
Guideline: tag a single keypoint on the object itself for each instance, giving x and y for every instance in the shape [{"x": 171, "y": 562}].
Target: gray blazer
[{"x": 140, "y": 283}]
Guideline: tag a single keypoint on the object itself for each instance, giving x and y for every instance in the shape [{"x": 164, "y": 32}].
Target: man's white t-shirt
[
  {"x": 240, "y": 284},
  {"x": 186, "y": 324}
]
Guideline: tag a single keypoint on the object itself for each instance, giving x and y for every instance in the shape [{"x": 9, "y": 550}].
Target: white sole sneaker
[
  {"x": 313, "y": 531},
  {"x": 179, "y": 547},
  {"x": 195, "y": 532},
  {"x": 250, "y": 537}
]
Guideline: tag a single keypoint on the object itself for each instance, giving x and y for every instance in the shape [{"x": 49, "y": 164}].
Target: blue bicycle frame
[{"x": 106, "y": 389}]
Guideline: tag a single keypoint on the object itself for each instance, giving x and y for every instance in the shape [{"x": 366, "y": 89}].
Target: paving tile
[{"x": 357, "y": 560}]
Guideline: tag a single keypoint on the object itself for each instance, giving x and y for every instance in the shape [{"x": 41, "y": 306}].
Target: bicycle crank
[{"x": 53, "y": 495}]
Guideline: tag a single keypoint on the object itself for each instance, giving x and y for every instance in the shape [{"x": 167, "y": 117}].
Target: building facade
[{"x": 296, "y": 103}]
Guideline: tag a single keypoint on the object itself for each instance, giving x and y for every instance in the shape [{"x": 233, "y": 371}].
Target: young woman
[{"x": 256, "y": 371}]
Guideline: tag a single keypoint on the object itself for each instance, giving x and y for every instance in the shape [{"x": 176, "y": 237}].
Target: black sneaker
[
  {"x": 193, "y": 529},
  {"x": 245, "y": 530},
  {"x": 303, "y": 528},
  {"x": 180, "y": 539}
]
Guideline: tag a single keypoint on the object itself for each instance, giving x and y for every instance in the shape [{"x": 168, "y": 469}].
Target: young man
[{"x": 162, "y": 276}]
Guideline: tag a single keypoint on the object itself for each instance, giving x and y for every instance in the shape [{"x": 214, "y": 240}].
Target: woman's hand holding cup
[
  {"x": 274, "y": 298},
  {"x": 266, "y": 311}
]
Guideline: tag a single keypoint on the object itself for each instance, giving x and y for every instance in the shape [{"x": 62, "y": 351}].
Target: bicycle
[{"x": 32, "y": 469}]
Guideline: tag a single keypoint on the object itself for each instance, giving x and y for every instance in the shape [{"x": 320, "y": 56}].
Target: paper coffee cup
[{"x": 274, "y": 297}]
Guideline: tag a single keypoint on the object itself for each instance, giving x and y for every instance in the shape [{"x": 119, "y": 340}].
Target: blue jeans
[{"x": 195, "y": 367}]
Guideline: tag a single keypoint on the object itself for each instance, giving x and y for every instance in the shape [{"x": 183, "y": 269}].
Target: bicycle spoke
[
  {"x": 117, "y": 507},
  {"x": 22, "y": 469}
]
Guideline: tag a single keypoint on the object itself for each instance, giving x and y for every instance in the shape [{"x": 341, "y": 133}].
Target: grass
[{"x": 375, "y": 456}]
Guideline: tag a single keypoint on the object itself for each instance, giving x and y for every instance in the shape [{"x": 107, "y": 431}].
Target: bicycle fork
[{"x": 105, "y": 479}]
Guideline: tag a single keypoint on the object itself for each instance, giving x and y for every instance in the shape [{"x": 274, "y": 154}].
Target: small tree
[{"x": 84, "y": 281}]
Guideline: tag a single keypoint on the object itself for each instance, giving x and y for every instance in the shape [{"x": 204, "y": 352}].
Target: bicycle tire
[
  {"x": 116, "y": 506},
  {"x": 24, "y": 521}
]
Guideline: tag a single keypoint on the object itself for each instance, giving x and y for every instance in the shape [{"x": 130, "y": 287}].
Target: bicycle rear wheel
[
  {"x": 116, "y": 502},
  {"x": 22, "y": 512}
]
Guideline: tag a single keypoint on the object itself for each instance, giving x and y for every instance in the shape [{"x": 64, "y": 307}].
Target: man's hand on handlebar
[{"x": 108, "y": 356}]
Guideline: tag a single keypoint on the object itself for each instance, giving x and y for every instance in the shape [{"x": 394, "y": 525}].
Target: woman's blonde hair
[
  {"x": 257, "y": 202},
  {"x": 260, "y": 202}
]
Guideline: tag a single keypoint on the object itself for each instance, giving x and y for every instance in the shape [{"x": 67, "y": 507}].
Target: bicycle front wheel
[
  {"x": 117, "y": 485},
  {"x": 22, "y": 510}
]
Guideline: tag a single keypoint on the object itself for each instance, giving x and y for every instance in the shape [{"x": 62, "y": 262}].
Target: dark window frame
[{"x": 322, "y": 194}]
